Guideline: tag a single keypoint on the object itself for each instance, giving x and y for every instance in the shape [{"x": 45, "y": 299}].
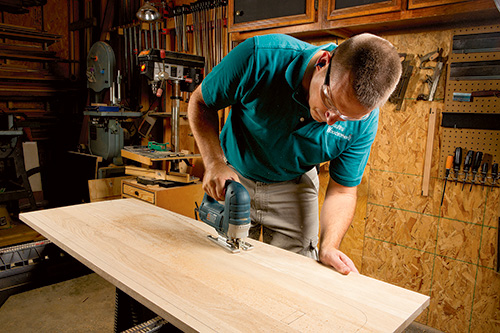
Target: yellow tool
[{"x": 449, "y": 164}]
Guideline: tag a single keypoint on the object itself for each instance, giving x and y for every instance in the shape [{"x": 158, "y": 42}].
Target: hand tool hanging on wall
[
  {"x": 467, "y": 165},
  {"x": 469, "y": 97},
  {"x": 432, "y": 80},
  {"x": 185, "y": 11},
  {"x": 472, "y": 120},
  {"x": 195, "y": 10},
  {"x": 457, "y": 161},
  {"x": 449, "y": 164},
  {"x": 398, "y": 95},
  {"x": 494, "y": 173},
  {"x": 125, "y": 35},
  {"x": 137, "y": 43},
  {"x": 180, "y": 19},
  {"x": 478, "y": 157},
  {"x": 131, "y": 50},
  {"x": 473, "y": 43},
  {"x": 475, "y": 70},
  {"x": 484, "y": 172}
]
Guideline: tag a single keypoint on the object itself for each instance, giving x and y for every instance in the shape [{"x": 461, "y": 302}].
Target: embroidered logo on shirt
[{"x": 335, "y": 129}]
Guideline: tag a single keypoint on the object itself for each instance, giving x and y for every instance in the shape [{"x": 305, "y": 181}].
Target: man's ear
[{"x": 323, "y": 60}]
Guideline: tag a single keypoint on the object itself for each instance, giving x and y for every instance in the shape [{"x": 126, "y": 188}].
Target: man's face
[{"x": 335, "y": 102}]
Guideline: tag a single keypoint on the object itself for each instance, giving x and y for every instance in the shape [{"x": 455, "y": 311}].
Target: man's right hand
[{"x": 214, "y": 180}]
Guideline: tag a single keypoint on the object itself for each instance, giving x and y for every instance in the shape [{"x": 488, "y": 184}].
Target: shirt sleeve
[
  {"x": 225, "y": 84},
  {"x": 348, "y": 168}
]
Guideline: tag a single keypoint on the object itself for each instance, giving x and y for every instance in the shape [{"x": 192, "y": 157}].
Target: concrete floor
[{"x": 84, "y": 304}]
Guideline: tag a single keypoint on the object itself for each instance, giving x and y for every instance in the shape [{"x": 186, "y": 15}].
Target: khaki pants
[{"x": 286, "y": 213}]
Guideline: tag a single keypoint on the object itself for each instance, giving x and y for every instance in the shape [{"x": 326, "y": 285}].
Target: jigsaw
[{"x": 231, "y": 220}]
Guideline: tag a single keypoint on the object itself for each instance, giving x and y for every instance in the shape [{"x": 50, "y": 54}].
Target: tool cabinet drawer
[
  {"x": 178, "y": 199},
  {"x": 129, "y": 190}
]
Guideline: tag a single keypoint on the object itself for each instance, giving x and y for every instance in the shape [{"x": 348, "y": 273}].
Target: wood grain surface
[{"x": 165, "y": 261}]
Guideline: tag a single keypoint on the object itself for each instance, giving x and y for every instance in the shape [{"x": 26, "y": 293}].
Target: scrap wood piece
[
  {"x": 428, "y": 153},
  {"x": 165, "y": 261},
  {"x": 181, "y": 177},
  {"x": 145, "y": 172}
]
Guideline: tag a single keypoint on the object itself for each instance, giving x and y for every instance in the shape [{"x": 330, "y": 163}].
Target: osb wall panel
[
  {"x": 401, "y": 227},
  {"x": 449, "y": 251},
  {"x": 403, "y": 134},
  {"x": 451, "y": 295},
  {"x": 405, "y": 267},
  {"x": 492, "y": 211},
  {"x": 486, "y": 302},
  {"x": 463, "y": 205},
  {"x": 488, "y": 248},
  {"x": 459, "y": 240},
  {"x": 402, "y": 191}
]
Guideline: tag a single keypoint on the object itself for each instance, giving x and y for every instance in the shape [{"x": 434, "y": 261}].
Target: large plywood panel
[
  {"x": 165, "y": 261},
  {"x": 452, "y": 295}
]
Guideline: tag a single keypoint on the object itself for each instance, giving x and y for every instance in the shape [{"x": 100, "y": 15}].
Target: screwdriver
[
  {"x": 449, "y": 164},
  {"x": 478, "y": 157},
  {"x": 494, "y": 173},
  {"x": 467, "y": 164},
  {"x": 484, "y": 171},
  {"x": 456, "y": 163}
]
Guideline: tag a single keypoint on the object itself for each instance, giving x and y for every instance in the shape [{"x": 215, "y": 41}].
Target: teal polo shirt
[{"x": 269, "y": 135}]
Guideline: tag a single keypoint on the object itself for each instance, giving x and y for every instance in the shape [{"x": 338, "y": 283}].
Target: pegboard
[
  {"x": 486, "y": 141},
  {"x": 478, "y": 104}
]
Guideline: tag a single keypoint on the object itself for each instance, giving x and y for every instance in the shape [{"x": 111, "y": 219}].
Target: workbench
[{"x": 166, "y": 262}]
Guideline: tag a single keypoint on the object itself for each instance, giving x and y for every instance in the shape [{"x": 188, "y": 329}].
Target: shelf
[{"x": 26, "y": 34}]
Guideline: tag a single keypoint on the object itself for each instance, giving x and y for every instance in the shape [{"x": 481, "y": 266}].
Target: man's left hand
[{"x": 338, "y": 260}]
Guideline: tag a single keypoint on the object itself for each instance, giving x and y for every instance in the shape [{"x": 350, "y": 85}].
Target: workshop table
[{"x": 166, "y": 262}]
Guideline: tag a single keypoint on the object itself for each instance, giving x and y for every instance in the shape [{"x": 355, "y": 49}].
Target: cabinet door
[
  {"x": 338, "y": 9},
  {"x": 247, "y": 15},
  {"x": 412, "y": 4}
]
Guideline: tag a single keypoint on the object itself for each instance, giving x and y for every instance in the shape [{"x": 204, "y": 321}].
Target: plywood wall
[{"x": 407, "y": 239}]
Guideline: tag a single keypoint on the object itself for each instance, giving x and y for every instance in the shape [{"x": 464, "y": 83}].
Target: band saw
[{"x": 231, "y": 220}]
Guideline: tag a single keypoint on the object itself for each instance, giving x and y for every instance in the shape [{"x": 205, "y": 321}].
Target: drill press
[{"x": 184, "y": 71}]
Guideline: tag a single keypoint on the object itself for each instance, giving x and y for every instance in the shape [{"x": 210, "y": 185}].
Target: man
[{"x": 293, "y": 106}]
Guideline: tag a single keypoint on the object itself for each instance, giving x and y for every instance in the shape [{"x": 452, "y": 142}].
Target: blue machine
[
  {"x": 231, "y": 220},
  {"x": 106, "y": 135}
]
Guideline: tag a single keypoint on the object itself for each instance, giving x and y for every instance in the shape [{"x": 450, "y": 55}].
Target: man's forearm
[{"x": 336, "y": 214}]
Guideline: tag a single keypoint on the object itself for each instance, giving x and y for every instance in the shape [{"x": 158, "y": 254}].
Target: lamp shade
[{"x": 148, "y": 13}]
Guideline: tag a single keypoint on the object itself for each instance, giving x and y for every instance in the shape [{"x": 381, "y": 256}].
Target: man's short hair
[{"x": 375, "y": 67}]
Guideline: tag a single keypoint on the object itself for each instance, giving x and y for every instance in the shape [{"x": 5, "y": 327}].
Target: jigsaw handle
[{"x": 234, "y": 212}]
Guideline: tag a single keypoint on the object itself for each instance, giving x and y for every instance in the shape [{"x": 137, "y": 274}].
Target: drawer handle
[
  {"x": 239, "y": 13},
  {"x": 136, "y": 193}
]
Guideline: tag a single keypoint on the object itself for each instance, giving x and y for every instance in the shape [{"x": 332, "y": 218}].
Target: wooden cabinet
[
  {"x": 261, "y": 14},
  {"x": 345, "y": 18},
  {"x": 412, "y": 4},
  {"x": 402, "y": 14},
  {"x": 180, "y": 199},
  {"x": 357, "y": 8}
]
